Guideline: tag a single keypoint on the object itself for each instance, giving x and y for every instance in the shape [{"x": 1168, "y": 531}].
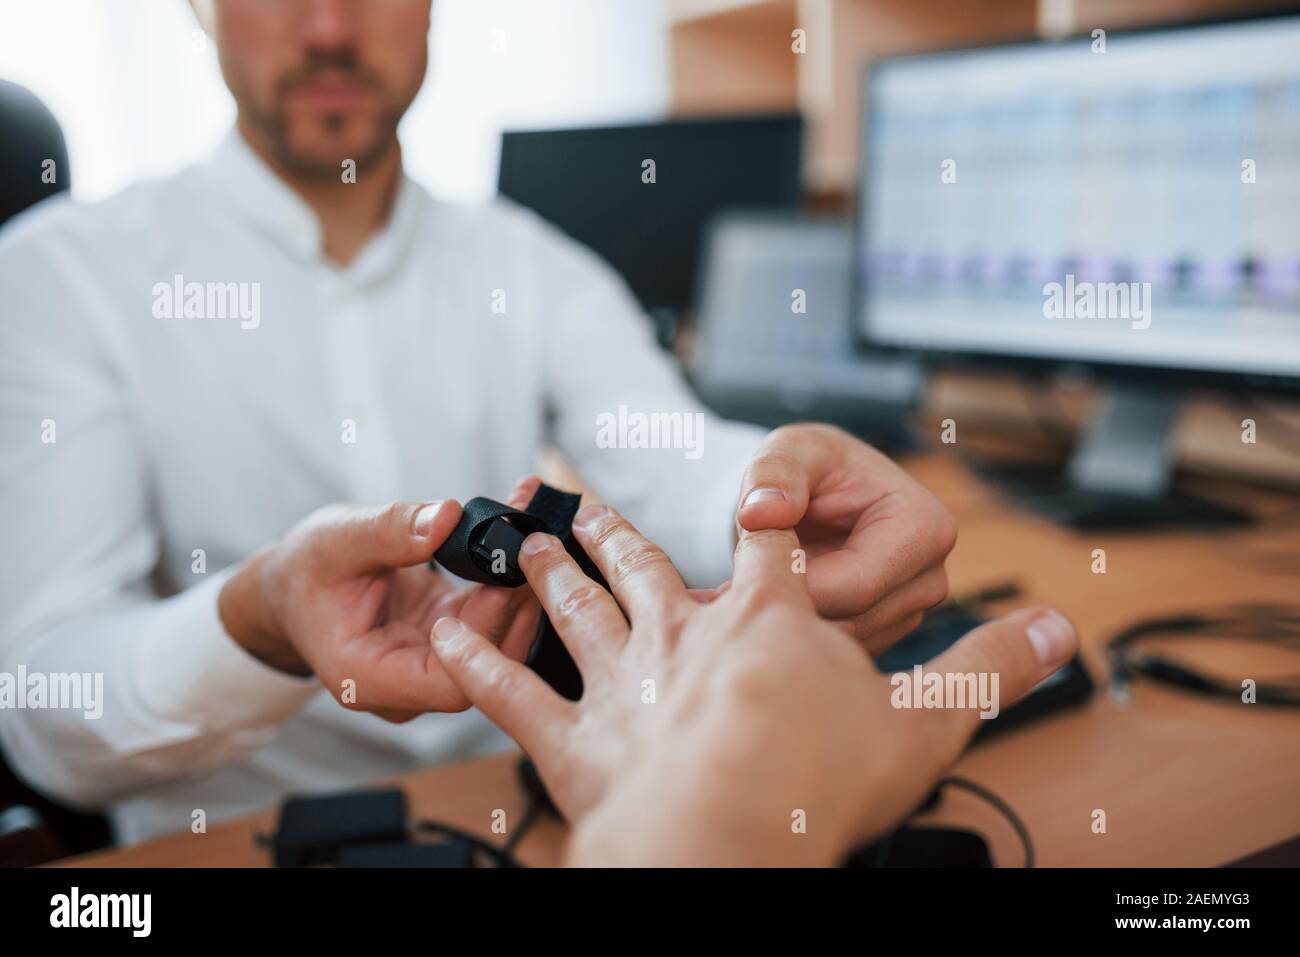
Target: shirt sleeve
[
  {"x": 163, "y": 691},
  {"x": 624, "y": 415}
]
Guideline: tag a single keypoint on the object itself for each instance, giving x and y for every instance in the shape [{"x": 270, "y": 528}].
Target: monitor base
[{"x": 1048, "y": 491}]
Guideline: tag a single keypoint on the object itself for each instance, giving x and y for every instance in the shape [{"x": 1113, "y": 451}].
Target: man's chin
[{"x": 326, "y": 152}]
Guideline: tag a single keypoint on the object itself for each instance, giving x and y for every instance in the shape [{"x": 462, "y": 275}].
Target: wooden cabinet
[{"x": 733, "y": 56}]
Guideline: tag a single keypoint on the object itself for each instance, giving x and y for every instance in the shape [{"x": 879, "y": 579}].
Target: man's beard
[{"x": 274, "y": 124}]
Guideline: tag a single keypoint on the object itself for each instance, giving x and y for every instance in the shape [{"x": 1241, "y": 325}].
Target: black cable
[
  {"x": 500, "y": 856},
  {"x": 531, "y": 813},
  {"x": 972, "y": 602},
  {"x": 1265, "y": 624},
  {"x": 965, "y": 784}
]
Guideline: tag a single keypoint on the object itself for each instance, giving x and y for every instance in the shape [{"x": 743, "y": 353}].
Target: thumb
[
  {"x": 774, "y": 492},
  {"x": 356, "y": 541},
  {"x": 1020, "y": 650}
]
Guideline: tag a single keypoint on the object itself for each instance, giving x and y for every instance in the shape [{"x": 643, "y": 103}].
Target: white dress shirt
[{"x": 458, "y": 342}]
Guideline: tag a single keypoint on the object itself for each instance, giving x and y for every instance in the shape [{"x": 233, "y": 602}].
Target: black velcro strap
[
  {"x": 484, "y": 548},
  {"x": 555, "y": 508}
]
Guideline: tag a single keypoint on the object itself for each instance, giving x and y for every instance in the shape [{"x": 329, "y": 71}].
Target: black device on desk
[
  {"x": 1042, "y": 206},
  {"x": 648, "y": 220},
  {"x": 1068, "y": 687},
  {"x": 370, "y": 828}
]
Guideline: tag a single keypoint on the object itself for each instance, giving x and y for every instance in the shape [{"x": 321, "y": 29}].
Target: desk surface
[{"x": 1183, "y": 781}]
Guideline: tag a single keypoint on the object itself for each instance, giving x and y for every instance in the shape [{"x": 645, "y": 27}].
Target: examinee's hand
[
  {"x": 875, "y": 538},
  {"x": 347, "y": 595},
  {"x": 704, "y": 727}
]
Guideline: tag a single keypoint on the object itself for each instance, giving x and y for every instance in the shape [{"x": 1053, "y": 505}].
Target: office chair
[
  {"x": 34, "y": 829},
  {"x": 29, "y": 138}
]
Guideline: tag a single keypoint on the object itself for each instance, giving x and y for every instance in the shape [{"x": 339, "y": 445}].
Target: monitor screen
[
  {"x": 1130, "y": 200},
  {"x": 595, "y": 185}
]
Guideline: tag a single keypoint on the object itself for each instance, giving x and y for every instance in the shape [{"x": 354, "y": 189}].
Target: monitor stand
[{"x": 1121, "y": 473}]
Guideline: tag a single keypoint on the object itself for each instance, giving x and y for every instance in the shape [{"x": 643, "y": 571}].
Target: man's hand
[
  {"x": 875, "y": 539},
  {"x": 705, "y": 728},
  {"x": 346, "y": 595}
]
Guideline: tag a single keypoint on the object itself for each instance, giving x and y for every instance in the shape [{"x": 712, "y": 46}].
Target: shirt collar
[{"x": 277, "y": 211}]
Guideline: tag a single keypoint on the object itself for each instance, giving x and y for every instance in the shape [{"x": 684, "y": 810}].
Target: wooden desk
[{"x": 1183, "y": 780}]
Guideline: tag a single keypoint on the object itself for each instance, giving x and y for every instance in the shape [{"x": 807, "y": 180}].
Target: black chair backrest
[{"x": 33, "y": 155}]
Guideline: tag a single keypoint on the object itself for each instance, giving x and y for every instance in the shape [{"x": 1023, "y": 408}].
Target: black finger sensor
[{"x": 484, "y": 548}]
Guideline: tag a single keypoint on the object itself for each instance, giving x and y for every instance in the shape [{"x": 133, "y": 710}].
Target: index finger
[
  {"x": 772, "y": 561},
  {"x": 511, "y": 695}
]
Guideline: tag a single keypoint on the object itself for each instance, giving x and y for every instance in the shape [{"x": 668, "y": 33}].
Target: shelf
[{"x": 736, "y": 56}]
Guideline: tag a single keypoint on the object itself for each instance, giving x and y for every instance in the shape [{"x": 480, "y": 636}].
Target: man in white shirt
[{"x": 191, "y": 370}]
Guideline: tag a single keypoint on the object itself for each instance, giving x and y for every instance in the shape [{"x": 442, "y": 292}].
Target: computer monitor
[
  {"x": 595, "y": 184},
  {"x": 774, "y": 341},
  {"x": 1124, "y": 202}
]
